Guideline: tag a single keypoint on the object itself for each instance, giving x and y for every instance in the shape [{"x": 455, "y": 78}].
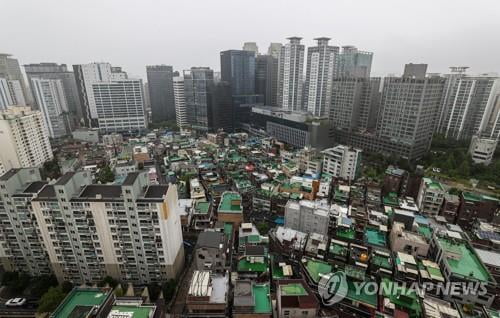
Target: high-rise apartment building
[
  {"x": 130, "y": 232},
  {"x": 342, "y": 162},
  {"x": 10, "y": 70},
  {"x": 251, "y": 47},
  {"x": 408, "y": 112},
  {"x": 266, "y": 78},
  {"x": 290, "y": 75},
  {"x": 354, "y": 63},
  {"x": 111, "y": 101},
  {"x": 471, "y": 106},
  {"x": 6, "y": 99},
  {"x": 54, "y": 71},
  {"x": 51, "y": 101},
  {"x": 24, "y": 138},
  {"x": 354, "y": 103},
  {"x": 181, "y": 116},
  {"x": 274, "y": 49},
  {"x": 197, "y": 94},
  {"x": 161, "y": 92},
  {"x": 320, "y": 71},
  {"x": 21, "y": 247}
]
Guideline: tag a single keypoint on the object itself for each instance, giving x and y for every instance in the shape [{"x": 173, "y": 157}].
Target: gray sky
[{"x": 186, "y": 33}]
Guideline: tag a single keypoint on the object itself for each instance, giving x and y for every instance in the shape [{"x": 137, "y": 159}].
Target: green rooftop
[
  {"x": 337, "y": 249},
  {"x": 230, "y": 203},
  {"x": 433, "y": 184},
  {"x": 79, "y": 302},
  {"x": 471, "y": 196},
  {"x": 402, "y": 297},
  {"x": 391, "y": 199},
  {"x": 202, "y": 207},
  {"x": 381, "y": 261},
  {"x": 346, "y": 233},
  {"x": 246, "y": 266},
  {"x": 261, "y": 294},
  {"x": 315, "y": 268},
  {"x": 228, "y": 230},
  {"x": 425, "y": 231},
  {"x": 362, "y": 297},
  {"x": 294, "y": 289},
  {"x": 137, "y": 312},
  {"x": 468, "y": 263},
  {"x": 375, "y": 237}
]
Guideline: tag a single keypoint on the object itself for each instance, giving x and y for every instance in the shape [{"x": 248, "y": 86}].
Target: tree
[
  {"x": 15, "y": 281},
  {"x": 51, "y": 169},
  {"x": 169, "y": 290},
  {"x": 66, "y": 286},
  {"x": 40, "y": 285},
  {"x": 108, "y": 280},
  {"x": 51, "y": 299},
  {"x": 105, "y": 175},
  {"x": 263, "y": 228}
]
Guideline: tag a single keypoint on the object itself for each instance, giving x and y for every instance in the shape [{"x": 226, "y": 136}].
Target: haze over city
[{"x": 192, "y": 33}]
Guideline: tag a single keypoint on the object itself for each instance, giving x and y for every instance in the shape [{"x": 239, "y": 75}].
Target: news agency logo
[{"x": 332, "y": 288}]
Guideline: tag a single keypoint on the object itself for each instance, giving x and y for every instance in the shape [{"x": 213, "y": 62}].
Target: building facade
[
  {"x": 21, "y": 247},
  {"x": 290, "y": 75},
  {"x": 54, "y": 71},
  {"x": 354, "y": 63},
  {"x": 161, "y": 92},
  {"x": 320, "y": 71},
  {"x": 110, "y": 100},
  {"x": 307, "y": 216},
  {"x": 482, "y": 150},
  {"x": 51, "y": 100},
  {"x": 408, "y": 112},
  {"x": 342, "y": 162},
  {"x": 130, "y": 232},
  {"x": 197, "y": 94},
  {"x": 470, "y": 106},
  {"x": 11, "y": 71},
  {"x": 181, "y": 116},
  {"x": 266, "y": 78},
  {"x": 24, "y": 138},
  {"x": 120, "y": 106},
  {"x": 354, "y": 103}
]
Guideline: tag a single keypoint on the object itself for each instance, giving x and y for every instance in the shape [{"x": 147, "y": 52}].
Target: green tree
[
  {"x": 66, "y": 286},
  {"x": 169, "y": 290},
  {"x": 51, "y": 299},
  {"x": 105, "y": 175},
  {"x": 108, "y": 280},
  {"x": 51, "y": 169},
  {"x": 263, "y": 228}
]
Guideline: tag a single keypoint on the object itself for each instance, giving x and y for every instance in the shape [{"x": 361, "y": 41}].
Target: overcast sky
[{"x": 186, "y": 33}]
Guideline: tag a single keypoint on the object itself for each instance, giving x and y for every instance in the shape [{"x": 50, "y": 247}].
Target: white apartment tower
[
  {"x": 321, "y": 69},
  {"x": 50, "y": 98},
  {"x": 290, "y": 74},
  {"x": 130, "y": 232},
  {"x": 470, "y": 106},
  {"x": 181, "y": 116},
  {"x": 24, "y": 138},
  {"x": 21, "y": 248},
  {"x": 111, "y": 101},
  {"x": 342, "y": 162},
  {"x": 6, "y": 99}
]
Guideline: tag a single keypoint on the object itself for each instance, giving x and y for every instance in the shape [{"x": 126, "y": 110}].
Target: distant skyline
[{"x": 133, "y": 34}]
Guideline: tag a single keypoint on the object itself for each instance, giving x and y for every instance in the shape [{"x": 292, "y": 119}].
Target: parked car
[{"x": 15, "y": 302}]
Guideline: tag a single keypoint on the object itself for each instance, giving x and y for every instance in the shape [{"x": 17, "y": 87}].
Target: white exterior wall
[
  {"x": 24, "y": 138},
  {"x": 50, "y": 98}
]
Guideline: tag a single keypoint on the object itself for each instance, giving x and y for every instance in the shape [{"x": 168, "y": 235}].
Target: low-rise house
[
  {"x": 208, "y": 294},
  {"x": 407, "y": 242},
  {"x": 295, "y": 299},
  {"x": 211, "y": 249}
]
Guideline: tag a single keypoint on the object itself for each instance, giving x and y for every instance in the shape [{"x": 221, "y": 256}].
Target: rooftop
[
  {"x": 316, "y": 268},
  {"x": 462, "y": 260},
  {"x": 230, "y": 203},
  {"x": 133, "y": 311},
  {"x": 202, "y": 207},
  {"x": 433, "y": 184},
  {"x": 79, "y": 302},
  {"x": 375, "y": 237},
  {"x": 261, "y": 294},
  {"x": 210, "y": 239}
]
